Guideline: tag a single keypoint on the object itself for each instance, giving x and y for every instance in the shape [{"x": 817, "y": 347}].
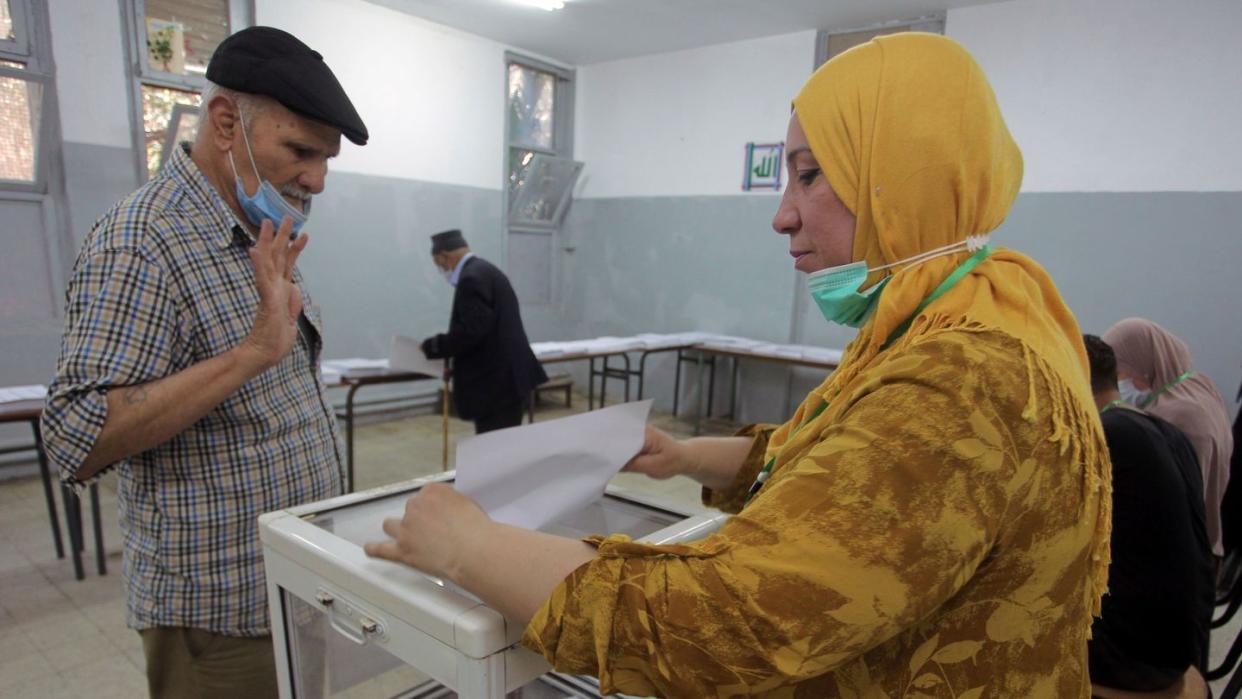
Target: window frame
[
  {"x": 133, "y": 19},
  {"x": 933, "y": 23},
  {"x": 19, "y": 45},
  {"x": 35, "y": 57},
  {"x": 562, "y": 147}
]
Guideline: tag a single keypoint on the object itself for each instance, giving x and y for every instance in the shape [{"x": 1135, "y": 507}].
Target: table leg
[
  {"x": 733, "y": 390},
  {"x": 698, "y": 416},
  {"x": 711, "y": 385},
  {"x": 626, "y": 357},
  {"x": 677, "y": 382},
  {"x": 46, "y": 474},
  {"x": 349, "y": 438},
  {"x": 97, "y": 523},
  {"x": 591, "y": 385},
  {"x": 603, "y": 383},
  {"x": 642, "y": 372},
  {"x": 444, "y": 410},
  {"x": 73, "y": 513}
]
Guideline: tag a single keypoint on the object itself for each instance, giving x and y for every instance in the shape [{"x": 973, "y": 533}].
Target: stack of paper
[
  {"x": 547, "y": 350},
  {"x": 406, "y": 354},
  {"x": 774, "y": 350},
  {"x": 355, "y": 365},
  {"x": 330, "y": 377},
  {"x": 652, "y": 341},
  {"x": 826, "y": 355},
  {"x": 730, "y": 342},
  {"x": 14, "y": 394}
]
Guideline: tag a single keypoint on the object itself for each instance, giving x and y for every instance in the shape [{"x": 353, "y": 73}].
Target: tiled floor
[{"x": 62, "y": 638}]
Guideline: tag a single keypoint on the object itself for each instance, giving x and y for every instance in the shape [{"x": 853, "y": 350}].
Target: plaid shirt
[{"x": 164, "y": 281}]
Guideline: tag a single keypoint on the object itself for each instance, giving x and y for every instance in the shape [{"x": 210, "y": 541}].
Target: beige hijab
[{"x": 1193, "y": 405}]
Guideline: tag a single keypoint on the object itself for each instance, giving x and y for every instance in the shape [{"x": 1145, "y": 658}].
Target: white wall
[
  {"x": 89, "y": 53},
  {"x": 676, "y": 124},
  {"x": 432, "y": 97},
  {"x": 1116, "y": 95}
]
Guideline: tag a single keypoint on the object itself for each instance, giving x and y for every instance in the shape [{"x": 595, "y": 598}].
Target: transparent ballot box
[{"x": 345, "y": 625}]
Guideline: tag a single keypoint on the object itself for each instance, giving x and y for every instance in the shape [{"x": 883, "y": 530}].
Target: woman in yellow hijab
[{"x": 933, "y": 520}]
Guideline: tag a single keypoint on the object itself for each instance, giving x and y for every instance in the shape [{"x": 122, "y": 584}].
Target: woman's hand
[
  {"x": 661, "y": 456},
  {"x": 440, "y": 529}
]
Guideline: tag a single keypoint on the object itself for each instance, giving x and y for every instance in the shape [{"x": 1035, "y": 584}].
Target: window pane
[
  {"x": 6, "y": 22},
  {"x": 157, "y": 106},
  {"x": 20, "y": 105},
  {"x": 182, "y": 34},
  {"x": 519, "y": 165},
  {"x": 530, "y": 106},
  {"x": 547, "y": 182}
]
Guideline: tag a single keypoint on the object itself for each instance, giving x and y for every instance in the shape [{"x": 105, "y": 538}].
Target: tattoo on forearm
[{"x": 136, "y": 395}]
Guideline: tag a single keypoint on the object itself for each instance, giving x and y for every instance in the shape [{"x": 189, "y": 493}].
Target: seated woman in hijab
[
  {"x": 932, "y": 520},
  {"x": 1155, "y": 372}
]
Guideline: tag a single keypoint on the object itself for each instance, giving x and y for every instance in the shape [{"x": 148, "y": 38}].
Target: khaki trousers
[{"x": 195, "y": 664}]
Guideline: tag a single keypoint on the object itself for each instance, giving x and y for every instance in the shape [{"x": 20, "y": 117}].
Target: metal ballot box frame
[{"x": 345, "y": 625}]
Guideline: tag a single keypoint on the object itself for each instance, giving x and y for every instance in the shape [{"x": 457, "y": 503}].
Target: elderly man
[
  {"x": 190, "y": 362},
  {"x": 494, "y": 368}
]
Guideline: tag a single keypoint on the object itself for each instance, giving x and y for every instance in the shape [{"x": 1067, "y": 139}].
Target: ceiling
[{"x": 591, "y": 31}]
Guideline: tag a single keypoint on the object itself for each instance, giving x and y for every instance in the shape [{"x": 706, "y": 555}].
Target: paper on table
[
  {"x": 355, "y": 363},
  {"x": 406, "y": 354},
  {"x": 532, "y": 475},
  {"x": 13, "y": 394}
]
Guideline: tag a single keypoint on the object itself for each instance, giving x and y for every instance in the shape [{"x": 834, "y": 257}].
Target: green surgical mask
[{"x": 836, "y": 290}]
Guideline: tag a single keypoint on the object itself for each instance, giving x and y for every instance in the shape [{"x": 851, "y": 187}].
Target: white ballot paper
[
  {"x": 406, "y": 354},
  {"x": 533, "y": 475}
]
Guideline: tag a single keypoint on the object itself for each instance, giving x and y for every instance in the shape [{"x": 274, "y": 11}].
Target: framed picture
[
  {"x": 165, "y": 46},
  {"x": 763, "y": 166}
]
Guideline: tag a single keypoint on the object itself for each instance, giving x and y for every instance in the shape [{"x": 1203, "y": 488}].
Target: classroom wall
[
  {"x": 1126, "y": 113},
  {"x": 1125, "y": 110}
]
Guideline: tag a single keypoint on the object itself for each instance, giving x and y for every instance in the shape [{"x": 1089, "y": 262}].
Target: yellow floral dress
[{"x": 932, "y": 538}]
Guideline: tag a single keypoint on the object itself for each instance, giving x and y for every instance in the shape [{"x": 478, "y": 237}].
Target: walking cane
[{"x": 444, "y": 406}]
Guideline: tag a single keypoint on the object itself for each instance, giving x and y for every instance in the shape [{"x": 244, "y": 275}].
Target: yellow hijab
[{"x": 907, "y": 131}]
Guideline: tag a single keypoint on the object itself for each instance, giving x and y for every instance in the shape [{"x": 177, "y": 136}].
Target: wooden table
[
  {"x": 30, "y": 411},
  {"x": 355, "y": 381},
  {"x": 702, "y": 358}
]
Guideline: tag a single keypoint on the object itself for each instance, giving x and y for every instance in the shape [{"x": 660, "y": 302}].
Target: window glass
[
  {"x": 7, "y": 33},
  {"x": 519, "y": 165},
  {"x": 531, "y": 105},
  {"x": 182, "y": 34},
  {"x": 157, "y": 107},
  {"x": 20, "y": 104}
]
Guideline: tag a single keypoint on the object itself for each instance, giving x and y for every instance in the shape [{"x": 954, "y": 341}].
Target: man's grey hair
[{"x": 249, "y": 105}]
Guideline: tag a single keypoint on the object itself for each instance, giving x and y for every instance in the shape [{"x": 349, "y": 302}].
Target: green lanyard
[
  {"x": 767, "y": 468},
  {"x": 1111, "y": 405},
  {"x": 1152, "y": 398},
  {"x": 949, "y": 282},
  {"x": 957, "y": 275}
]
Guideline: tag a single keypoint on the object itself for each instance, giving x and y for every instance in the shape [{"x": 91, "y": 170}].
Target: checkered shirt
[{"x": 162, "y": 282}]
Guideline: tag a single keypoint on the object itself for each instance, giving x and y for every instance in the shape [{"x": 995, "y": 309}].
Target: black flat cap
[
  {"x": 447, "y": 240},
  {"x": 268, "y": 61}
]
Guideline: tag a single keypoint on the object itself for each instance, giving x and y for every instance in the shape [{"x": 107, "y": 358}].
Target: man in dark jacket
[
  {"x": 1152, "y": 632},
  {"x": 494, "y": 368}
]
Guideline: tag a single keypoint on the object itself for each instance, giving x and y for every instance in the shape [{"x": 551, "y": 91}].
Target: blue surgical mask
[
  {"x": 837, "y": 290},
  {"x": 266, "y": 202},
  {"x": 1132, "y": 394}
]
